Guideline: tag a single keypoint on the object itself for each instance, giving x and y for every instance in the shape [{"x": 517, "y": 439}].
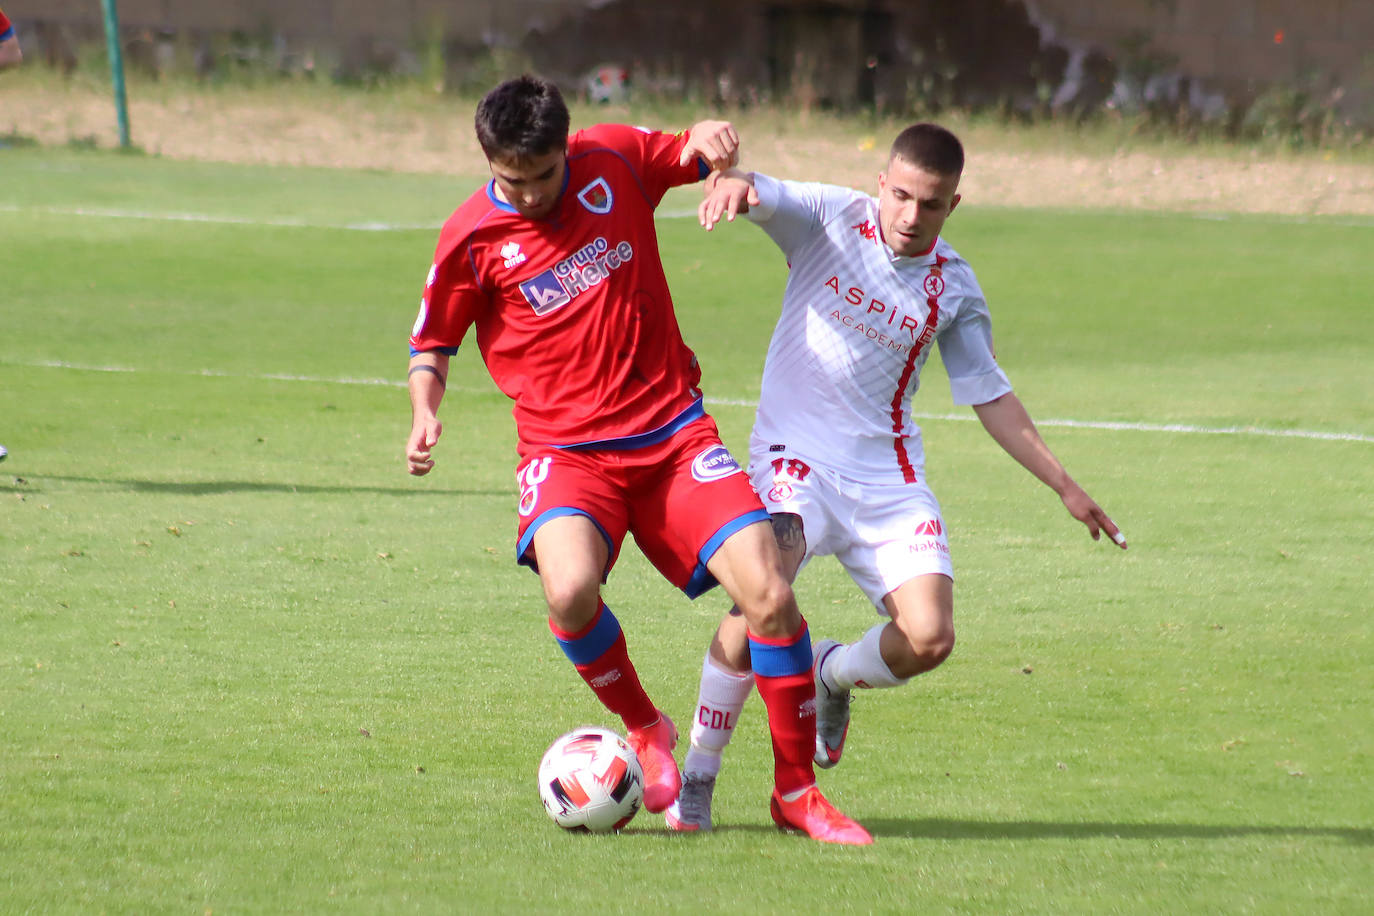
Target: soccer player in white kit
[{"x": 835, "y": 454}]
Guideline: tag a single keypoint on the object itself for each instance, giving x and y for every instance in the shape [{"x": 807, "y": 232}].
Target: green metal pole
[{"x": 116, "y": 69}]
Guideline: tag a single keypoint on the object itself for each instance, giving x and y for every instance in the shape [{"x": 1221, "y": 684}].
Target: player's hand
[
  {"x": 726, "y": 196},
  {"x": 1082, "y": 507},
  {"x": 424, "y": 433},
  {"x": 715, "y": 142}
]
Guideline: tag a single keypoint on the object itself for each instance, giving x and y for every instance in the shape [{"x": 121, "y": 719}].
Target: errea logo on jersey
[
  {"x": 573, "y": 276},
  {"x": 512, "y": 254}
]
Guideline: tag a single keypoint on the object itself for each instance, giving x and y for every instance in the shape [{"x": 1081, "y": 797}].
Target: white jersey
[{"x": 857, "y": 325}]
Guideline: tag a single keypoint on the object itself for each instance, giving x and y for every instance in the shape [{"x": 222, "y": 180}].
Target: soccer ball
[{"x": 590, "y": 779}]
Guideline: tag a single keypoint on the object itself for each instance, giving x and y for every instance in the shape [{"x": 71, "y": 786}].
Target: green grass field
[{"x": 250, "y": 666}]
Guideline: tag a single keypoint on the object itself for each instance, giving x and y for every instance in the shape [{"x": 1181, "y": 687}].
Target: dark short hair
[
  {"x": 930, "y": 147},
  {"x": 522, "y": 118}
]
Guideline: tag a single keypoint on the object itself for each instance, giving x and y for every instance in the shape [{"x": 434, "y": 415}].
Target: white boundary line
[
  {"x": 284, "y": 222},
  {"x": 1110, "y": 425},
  {"x": 1121, "y": 426},
  {"x": 668, "y": 212}
]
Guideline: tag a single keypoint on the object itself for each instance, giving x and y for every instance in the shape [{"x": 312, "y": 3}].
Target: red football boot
[
  {"x": 654, "y": 748},
  {"x": 817, "y": 818}
]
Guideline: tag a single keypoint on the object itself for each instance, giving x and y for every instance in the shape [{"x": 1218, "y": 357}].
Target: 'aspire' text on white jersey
[{"x": 857, "y": 326}]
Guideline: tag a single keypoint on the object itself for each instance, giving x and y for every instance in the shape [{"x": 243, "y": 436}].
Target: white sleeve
[
  {"x": 966, "y": 349},
  {"x": 791, "y": 212}
]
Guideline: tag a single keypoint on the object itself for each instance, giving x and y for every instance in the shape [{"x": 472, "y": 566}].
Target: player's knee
[
  {"x": 936, "y": 649},
  {"x": 926, "y": 649},
  {"x": 772, "y": 609},
  {"x": 572, "y": 604},
  {"x": 933, "y": 647}
]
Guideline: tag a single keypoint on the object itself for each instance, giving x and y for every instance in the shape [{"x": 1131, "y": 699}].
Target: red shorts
[{"x": 681, "y": 498}]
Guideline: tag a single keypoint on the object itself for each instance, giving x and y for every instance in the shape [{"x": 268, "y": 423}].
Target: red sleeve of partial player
[
  {"x": 653, "y": 155},
  {"x": 4, "y": 23},
  {"x": 454, "y": 294}
]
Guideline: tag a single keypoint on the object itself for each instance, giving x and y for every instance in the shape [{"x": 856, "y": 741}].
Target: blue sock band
[
  {"x": 592, "y": 641},
  {"x": 776, "y": 658}
]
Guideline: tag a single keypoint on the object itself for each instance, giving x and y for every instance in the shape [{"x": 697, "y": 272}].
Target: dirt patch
[{"x": 424, "y": 133}]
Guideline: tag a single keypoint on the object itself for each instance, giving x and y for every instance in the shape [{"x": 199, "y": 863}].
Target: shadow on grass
[
  {"x": 945, "y": 829},
  {"x": 215, "y": 487}
]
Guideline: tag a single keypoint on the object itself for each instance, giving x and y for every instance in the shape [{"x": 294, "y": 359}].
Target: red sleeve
[
  {"x": 4, "y": 23},
  {"x": 453, "y": 299},
  {"x": 652, "y": 154}
]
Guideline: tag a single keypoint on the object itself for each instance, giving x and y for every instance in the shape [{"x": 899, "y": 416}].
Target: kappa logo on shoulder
[{"x": 715, "y": 463}]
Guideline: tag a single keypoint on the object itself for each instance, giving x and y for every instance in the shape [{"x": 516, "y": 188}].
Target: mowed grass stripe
[{"x": 1114, "y": 425}]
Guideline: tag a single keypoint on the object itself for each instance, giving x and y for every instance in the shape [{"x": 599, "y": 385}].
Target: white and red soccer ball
[{"x": 590, "y": 779}]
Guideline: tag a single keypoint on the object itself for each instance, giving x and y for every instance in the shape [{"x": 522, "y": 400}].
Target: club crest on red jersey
[{"x": 596, "y": 196}]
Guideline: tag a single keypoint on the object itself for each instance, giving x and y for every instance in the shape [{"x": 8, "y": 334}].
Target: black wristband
[{"x": 427, "y": 368}]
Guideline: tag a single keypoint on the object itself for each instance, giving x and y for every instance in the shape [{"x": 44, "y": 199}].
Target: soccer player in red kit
[
  {"x": 554, "y": 264},
  {"x": 10, "y": 55}
]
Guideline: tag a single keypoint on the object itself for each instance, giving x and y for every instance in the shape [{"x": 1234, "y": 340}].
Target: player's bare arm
[
  {"x": 1007, "y": 421},
  {"x": 427, "y": 377},
  {"x": 10, "y": 55},
  {"x": 726, "y": 194},
  {"x": 714, "y": 142}
]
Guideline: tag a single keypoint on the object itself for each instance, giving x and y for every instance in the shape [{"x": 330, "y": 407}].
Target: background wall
[
  {"x": 832, "y": 52},
  {"x": 1234, "y": 43}
]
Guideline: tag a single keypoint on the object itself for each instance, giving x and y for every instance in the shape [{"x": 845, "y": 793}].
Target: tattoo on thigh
[{"x": 787, "y": 530}]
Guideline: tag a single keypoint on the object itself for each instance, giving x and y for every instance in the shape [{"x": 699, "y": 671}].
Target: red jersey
[
  {"x": 572, "y": 312},
  {"x": 6, "y": 30}
]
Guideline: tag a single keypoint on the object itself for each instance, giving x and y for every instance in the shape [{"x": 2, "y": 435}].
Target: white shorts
[{"x": 882, "y": 534}]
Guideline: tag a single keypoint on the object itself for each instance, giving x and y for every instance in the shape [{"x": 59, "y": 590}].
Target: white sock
[
  {"x": 719, "y": 702},
  {"x": 860, "y": 664}
]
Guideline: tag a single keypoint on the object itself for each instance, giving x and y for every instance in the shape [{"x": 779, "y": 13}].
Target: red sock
[
  {"x": 782, "y": 671},
  {"x": 599, "y": 654}
]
